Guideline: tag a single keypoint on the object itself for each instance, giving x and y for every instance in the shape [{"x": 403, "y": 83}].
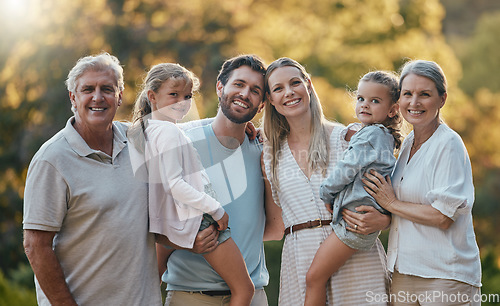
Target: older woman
[
  {"x": 432, "y": 247},
  {"x": 85, "y": 216},
  {"x": 301, "y": 147}
]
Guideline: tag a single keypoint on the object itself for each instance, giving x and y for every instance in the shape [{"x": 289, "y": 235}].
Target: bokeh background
[{"x": 337, "y": 40}]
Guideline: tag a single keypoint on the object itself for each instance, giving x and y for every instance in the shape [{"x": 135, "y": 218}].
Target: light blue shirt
[
  {"x": 372, "y": 147},
  {"x": 237, "y": 179}
]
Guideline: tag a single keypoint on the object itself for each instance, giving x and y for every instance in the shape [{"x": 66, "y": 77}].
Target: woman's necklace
[
  {"x": 416, "y": 145},
  {"x": 414, "y": 148}
]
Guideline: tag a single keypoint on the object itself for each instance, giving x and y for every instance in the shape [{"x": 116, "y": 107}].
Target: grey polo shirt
[{"x": 100, "y": 216}]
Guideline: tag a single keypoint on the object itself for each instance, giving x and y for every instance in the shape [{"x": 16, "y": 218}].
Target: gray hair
[
  {"x": 101, "y": 62},
  {"x": 428, "y": 69}
]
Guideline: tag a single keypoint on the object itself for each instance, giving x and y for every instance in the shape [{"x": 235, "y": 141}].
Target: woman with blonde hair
[{"x": 301, "y": 147}]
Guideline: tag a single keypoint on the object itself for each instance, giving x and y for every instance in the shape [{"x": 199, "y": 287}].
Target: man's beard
[{"x": 234, "y": 117}]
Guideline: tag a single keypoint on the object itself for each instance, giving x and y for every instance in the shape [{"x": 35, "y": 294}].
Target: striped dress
[{"x": 363, "y": 279}]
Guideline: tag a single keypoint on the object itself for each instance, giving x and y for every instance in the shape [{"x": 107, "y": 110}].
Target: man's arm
[
  {"x": 275, "y": 228},
  {"x": 46, "y": 266},
  {"x": 205, "y": 242},
  {"x": 162, "y": 255}
]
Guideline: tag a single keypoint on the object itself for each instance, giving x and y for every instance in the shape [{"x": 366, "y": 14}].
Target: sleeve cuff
[
  {"x": 451, "y": 211},
  {"x": 40, "y": 227},
  {"x": 218, "y": 214}
]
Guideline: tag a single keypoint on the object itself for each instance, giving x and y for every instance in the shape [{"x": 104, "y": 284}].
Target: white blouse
[{"x": 438, "y": 174}]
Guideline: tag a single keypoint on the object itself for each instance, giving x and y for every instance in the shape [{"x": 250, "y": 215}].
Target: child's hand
[
  {"x": 252, "y": 132},
  {"x": 329, "y": 207},
  {"x": 223, "y": 222},
  {"x": 350, "y": 133}
]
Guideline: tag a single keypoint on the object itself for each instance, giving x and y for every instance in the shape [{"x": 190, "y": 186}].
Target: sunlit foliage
[{"x": 338, "y": 41}]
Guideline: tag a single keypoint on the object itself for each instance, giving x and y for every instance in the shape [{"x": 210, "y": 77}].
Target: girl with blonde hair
[
  {"x": 181, "y": 198},
  {"x": 301, "y": 146}
]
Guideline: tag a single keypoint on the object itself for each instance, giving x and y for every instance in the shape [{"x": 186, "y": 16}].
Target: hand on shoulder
[{"x": 349, "y": 134}]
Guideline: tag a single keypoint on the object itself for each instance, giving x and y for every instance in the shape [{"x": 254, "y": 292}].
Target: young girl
[
  {"x": 372, "y": 147},
  {"x": 180, "y": 195}
]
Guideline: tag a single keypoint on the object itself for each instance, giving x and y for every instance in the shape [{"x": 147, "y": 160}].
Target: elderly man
[{"x": 85, "y": 216}]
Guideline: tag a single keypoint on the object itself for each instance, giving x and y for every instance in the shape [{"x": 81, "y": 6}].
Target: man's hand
[
  {"x": 329, "y": 207},
  {"x": 206, "y": 240}
]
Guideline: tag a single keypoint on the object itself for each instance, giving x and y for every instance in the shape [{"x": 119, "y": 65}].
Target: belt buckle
[{"x": 319, "y": 223}]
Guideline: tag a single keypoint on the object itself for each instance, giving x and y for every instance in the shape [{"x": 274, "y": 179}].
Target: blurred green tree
[
  {"x": 338, "y": 41},
  {"x": 491, "y": 277},
  {"x": 14, "y": 295},
  {"x": 480, "y": 57}
]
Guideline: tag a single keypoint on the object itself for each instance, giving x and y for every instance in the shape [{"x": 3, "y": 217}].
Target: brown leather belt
[
  {"x": 308, "y": 224},
  {"x": 216, "y": 292}
]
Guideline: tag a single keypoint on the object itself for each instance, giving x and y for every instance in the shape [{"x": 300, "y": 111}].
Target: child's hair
[
  {"x": 390, "y": 80},
  {"x": 142, "y": 106}
]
